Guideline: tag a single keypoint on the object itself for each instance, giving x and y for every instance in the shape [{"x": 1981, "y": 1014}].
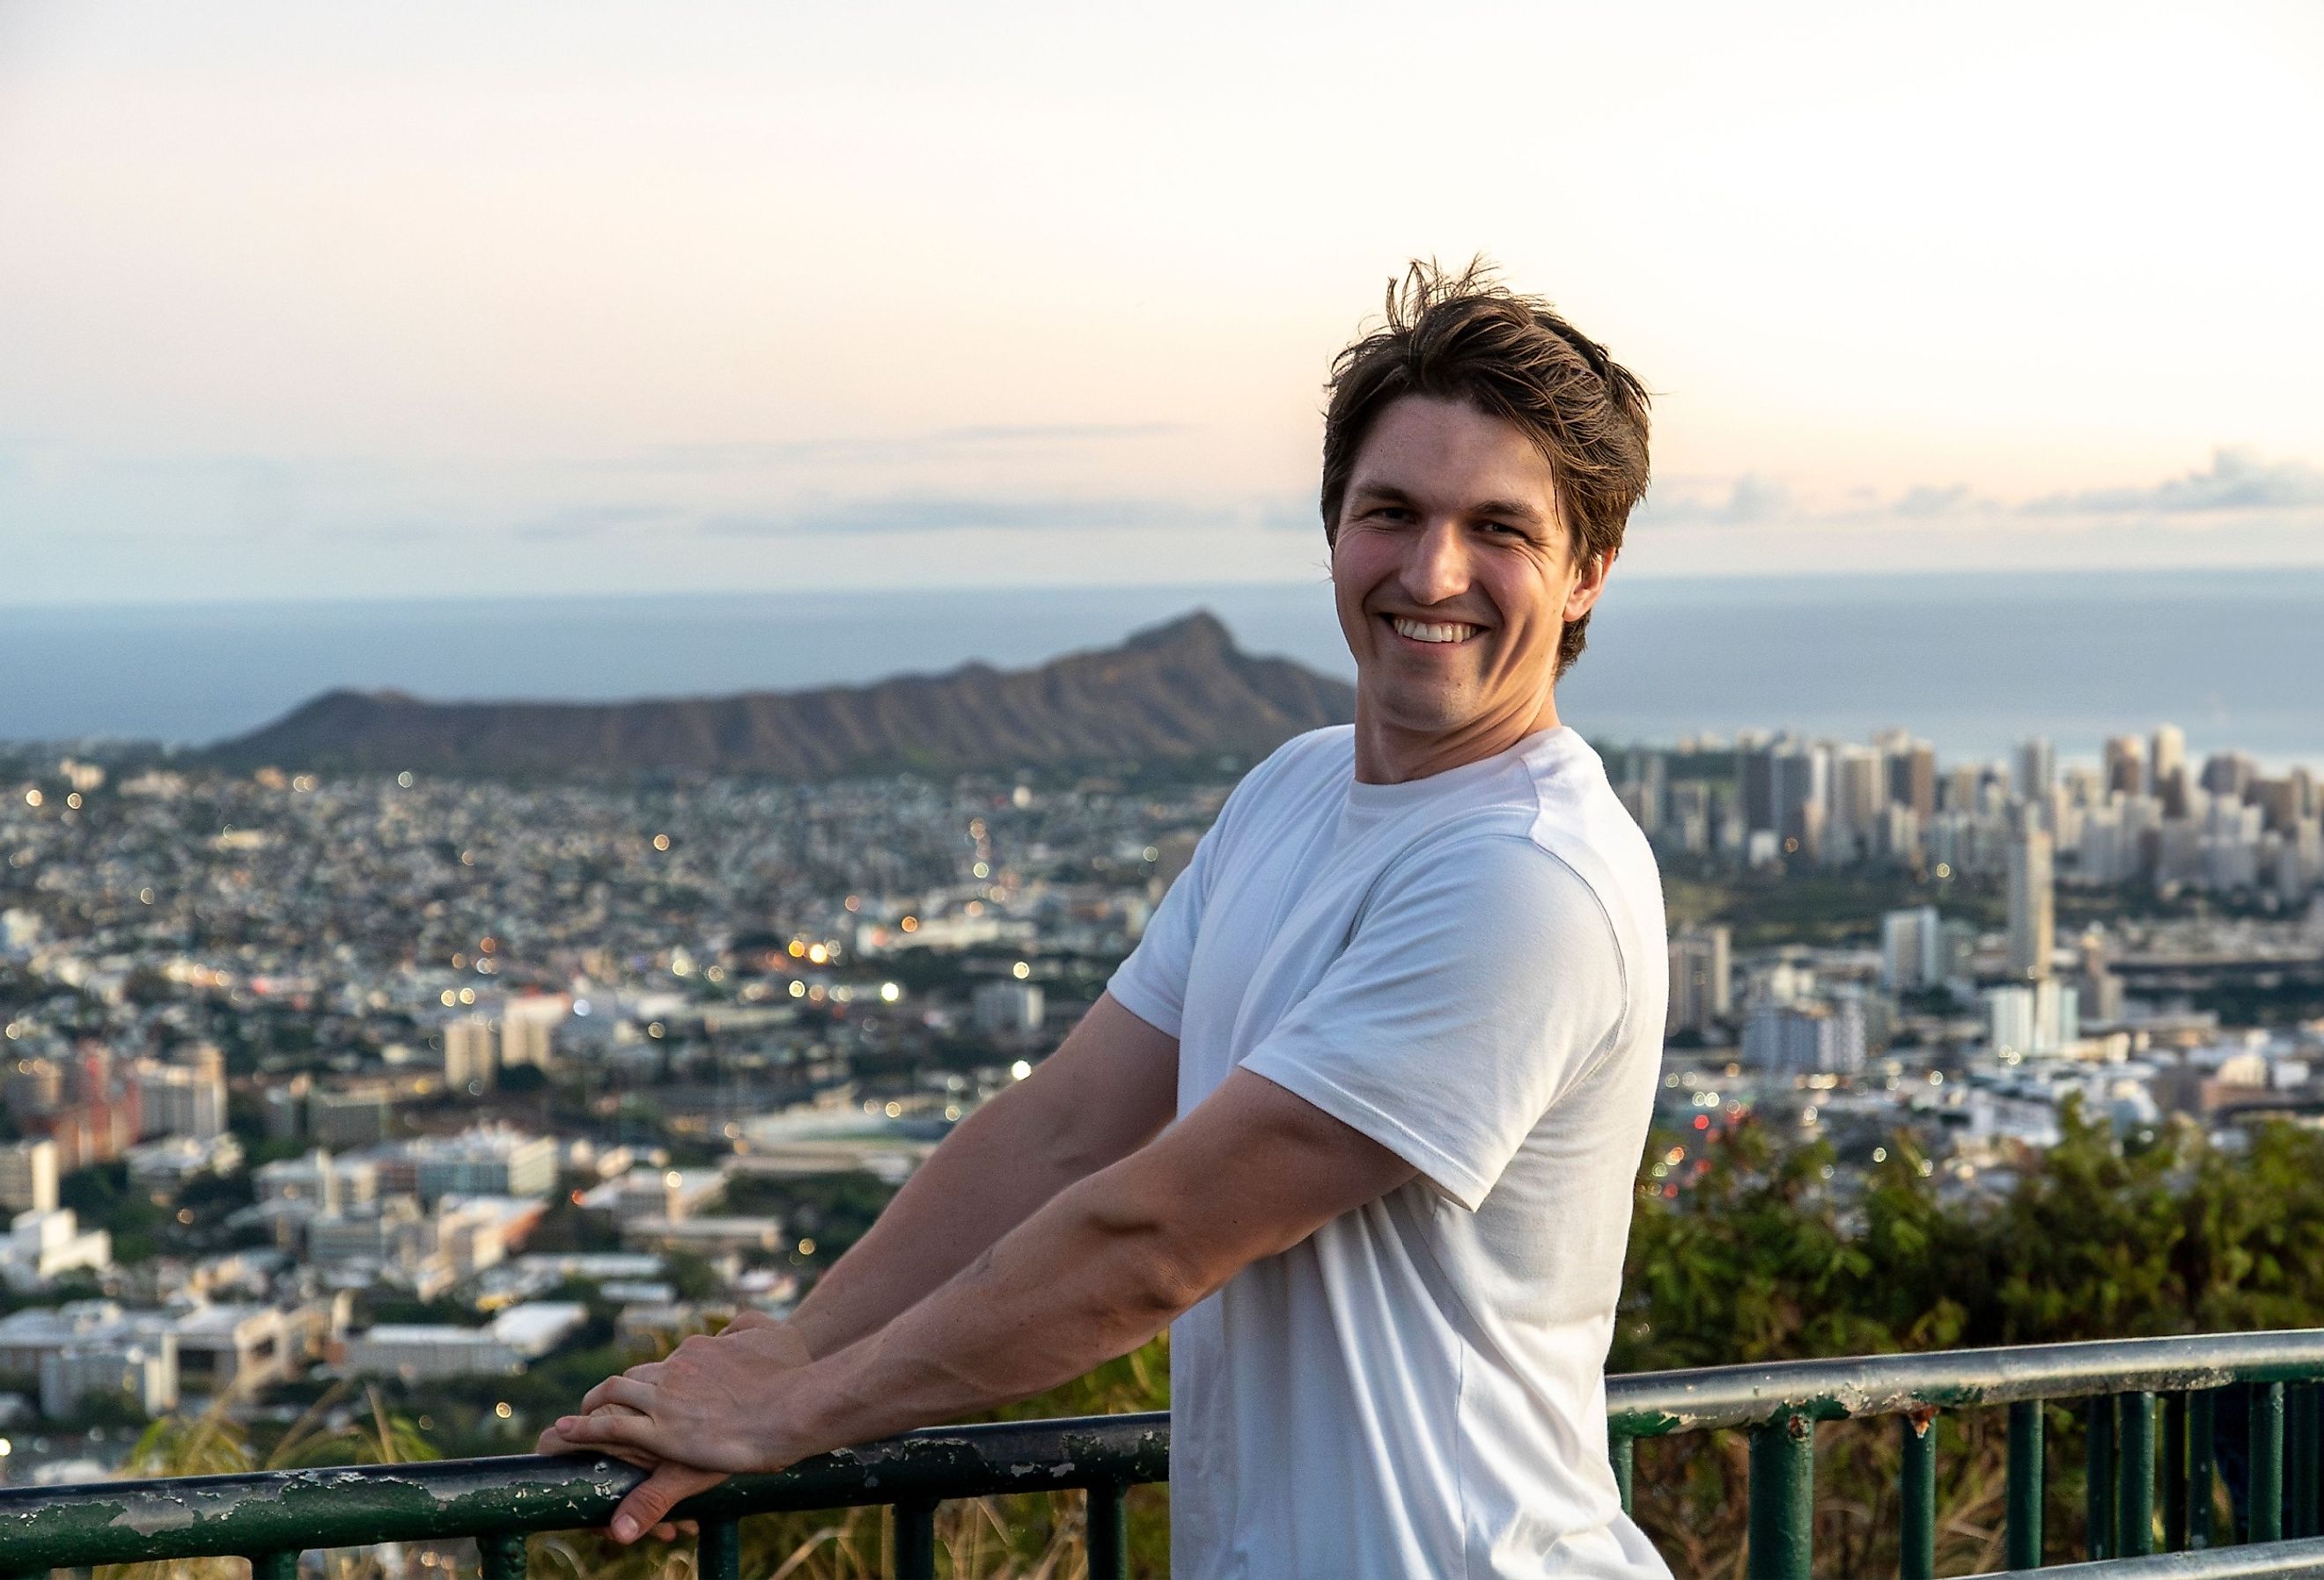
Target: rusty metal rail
[{"x": 2149, "y": 1404}]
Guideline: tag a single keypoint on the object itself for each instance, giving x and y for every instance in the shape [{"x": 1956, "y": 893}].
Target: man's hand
[{"x": 700, "y": 1395}]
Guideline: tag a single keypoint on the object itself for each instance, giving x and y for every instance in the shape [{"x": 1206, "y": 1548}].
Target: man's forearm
[
  {"x": 985, "y": 1178},
  {"x": 1092, "y": 1275},
  {"x": 1102, "y": 1095}
]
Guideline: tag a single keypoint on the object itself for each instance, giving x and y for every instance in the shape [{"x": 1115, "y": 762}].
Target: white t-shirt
[{"x": 1469, "y": 968}]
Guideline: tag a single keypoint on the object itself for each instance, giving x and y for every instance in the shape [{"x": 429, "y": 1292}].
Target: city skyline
[{"x": 314, "y": 304}]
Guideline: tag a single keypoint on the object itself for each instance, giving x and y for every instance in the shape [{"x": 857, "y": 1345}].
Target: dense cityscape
[{"x": 472, "y": 1091}]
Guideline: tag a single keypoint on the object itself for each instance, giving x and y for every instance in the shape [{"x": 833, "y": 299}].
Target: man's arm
[
  {"x": 1105, "y": 1093},
  {"x": 1103, "y": 1266}
]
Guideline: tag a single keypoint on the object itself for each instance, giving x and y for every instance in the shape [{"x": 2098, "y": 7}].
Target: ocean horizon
[{"x": 1971, "y": 661}]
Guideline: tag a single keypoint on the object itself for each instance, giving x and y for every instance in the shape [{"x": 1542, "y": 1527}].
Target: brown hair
[{"x": 1467, "y": 337}]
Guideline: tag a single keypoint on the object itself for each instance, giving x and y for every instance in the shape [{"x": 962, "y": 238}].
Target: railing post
[
  {"x": 2134, "y": 1451},
  {"x": 2025, "y": 1484},
  {"x": 1622, "y": 1449},
  {"x": 2174, "y": 1472},
  {"x": 1917, "y": 1559},
  {"x": 717, "y": 1551},
  {"x": 2303, "y": 1472},
  {"x": 2098, "y": 1453},
  {"x": 274, "y": 1565},
  {"x": 2203, "y": 1465},
  {"x": 1782, "y": 1522},
  {"x": 915, "y": 1539},
  {"x": 2266, "y": 1521},
  {"x": 503, "y": 1555},
  {"x": 1109, "y": 1532}
]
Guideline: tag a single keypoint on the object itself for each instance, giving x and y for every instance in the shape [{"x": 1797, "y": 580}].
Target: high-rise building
[
  {"x": 1912, "y": 949},
  {"x": 2036, "y": 768},
  {"x": 471, "y": 1054},
  {"x": 1913, "y": 778},
  {"x": 184, "y": 1098},
  {"x": 2033, "y": 906},
  {"x": 2169, "y": 760},
  {"x": 527, "y": 1036},
  {"x": 1858, "y": 795},
  {"x": 2125, "y": 765},
  {"x": 2229, "y": 775},
  {"x": 1702, "y": 979},
  {"x": 28, "y": 1177},
  {"x": 1803, "y": 798}
]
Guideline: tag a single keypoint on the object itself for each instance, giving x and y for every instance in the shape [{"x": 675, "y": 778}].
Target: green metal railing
[
  {"x": 2151, "y": 1481},
  {"x": 2117, "y": 1382}
]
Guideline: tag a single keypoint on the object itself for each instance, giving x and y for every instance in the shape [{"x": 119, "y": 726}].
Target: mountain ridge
[{"x": 1179, "y": 690}]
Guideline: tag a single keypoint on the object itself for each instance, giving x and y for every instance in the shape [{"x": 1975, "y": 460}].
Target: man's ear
[{"x": 1589, "y": 585}]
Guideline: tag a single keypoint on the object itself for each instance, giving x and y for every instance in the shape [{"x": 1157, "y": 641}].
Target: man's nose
[{"x": 1437, "y": 567}]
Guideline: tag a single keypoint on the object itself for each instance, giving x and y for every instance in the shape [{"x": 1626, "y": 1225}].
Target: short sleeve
[
  {"x": 1482, "y": 981},
  {"x": 1151, "y": 985}
]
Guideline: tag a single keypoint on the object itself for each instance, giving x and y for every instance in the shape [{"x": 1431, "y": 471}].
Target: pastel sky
[{"x": 383, "y": 300}]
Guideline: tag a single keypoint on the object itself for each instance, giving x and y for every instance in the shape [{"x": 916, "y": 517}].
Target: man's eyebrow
[
  {"x": 1507, "y": 507},
  {"x": 1390, "y": 493}
]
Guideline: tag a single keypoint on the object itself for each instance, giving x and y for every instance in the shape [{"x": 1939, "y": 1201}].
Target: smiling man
[{"x": 1360, "y": 1117}]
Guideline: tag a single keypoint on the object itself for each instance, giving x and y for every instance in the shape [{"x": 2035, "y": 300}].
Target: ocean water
[{"x": 1973, "y": 662}]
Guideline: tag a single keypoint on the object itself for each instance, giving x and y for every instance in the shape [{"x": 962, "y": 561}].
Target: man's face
[{"x": 1454, "y": 575}]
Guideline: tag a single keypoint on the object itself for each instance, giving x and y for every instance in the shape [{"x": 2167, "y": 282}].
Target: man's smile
[{"x": 1431, "y": 633}]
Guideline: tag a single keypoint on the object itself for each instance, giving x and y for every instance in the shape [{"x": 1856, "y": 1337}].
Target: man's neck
[{"x": 1386, "y": 754}]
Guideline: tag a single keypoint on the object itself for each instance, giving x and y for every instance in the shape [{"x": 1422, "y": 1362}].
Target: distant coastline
[{"x": 1968, "y": 661}]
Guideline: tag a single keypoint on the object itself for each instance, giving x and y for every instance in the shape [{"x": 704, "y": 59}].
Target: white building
[
  {"x": 182, "y": 1100},
  {"x": 1008, "y": 1008},
  {"x": 1912, "y": 949},
  {"x": 40, "y": 1246},
  {"x": 417, "y": 1351},
  {"x": 28, "y": 1175},
  {"x": 658, "y": 1193},
  {"x": 2034, "y": 1020},
  {"x": 471, "y": 1054},
  {"x": 319, "y": 1180},
  {"x": 90, "y": 1346},
  {"x": 1806, "y": 1038},
  {"x": 487, "y": 1161},
  {"x": 170, "y": 1163},
  {"x": 2033, "y": 901}
]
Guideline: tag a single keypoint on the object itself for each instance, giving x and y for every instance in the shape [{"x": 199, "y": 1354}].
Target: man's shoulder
[
  {"x": 1579, "y": 819},
  {"x": 1305, "y": 760}
]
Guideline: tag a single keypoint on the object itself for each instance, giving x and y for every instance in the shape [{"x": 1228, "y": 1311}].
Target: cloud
[
  {"x": 941, "y": 512},
  {"x": 1924, "y": 501},
  {"x": 931, "y": 444},
  {"x": 1721, "y": 501},
  {"x": 2237, "y": 480},
  {"x": 577, "y": 522},
  {"x": 2238, "y": 485}
]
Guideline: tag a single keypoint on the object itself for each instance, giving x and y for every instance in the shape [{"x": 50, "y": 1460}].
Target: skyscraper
[
  {"x": 1913, "y": 778},
  {"x": 1912, "y": 949},
  {"x": 1701, "y": 981},
  {"x": 2032, "y": 915},
  {"x": 1858, "y": 796},
  {"x": 2036, "y": 768},
  {"x": 2170, "y": 758}
]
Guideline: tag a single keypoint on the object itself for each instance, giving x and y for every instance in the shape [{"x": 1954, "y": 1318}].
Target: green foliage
[
  {"x": 103, "y": 1197},
  {"x": 833, "y": 1210},
  {"x": 1761, "y": 1258}
]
